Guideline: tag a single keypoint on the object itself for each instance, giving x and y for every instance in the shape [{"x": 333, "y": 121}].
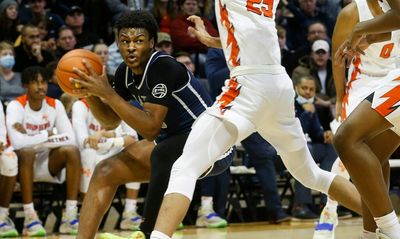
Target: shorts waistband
[{"x": 257, "y": 69}]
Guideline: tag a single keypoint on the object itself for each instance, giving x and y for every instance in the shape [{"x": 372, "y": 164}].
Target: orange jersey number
[
  {"x": 386, "y": 50},
  {"x": 261, "y": 7}
]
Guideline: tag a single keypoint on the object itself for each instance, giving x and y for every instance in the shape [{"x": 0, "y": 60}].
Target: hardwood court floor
[{"x": 347, "y": 229}]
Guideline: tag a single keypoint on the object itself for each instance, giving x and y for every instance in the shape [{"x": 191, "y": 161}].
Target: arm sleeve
[
  {"x": 79, "y": 122},
  {"x": 3, "y": 131},
  {"x": 63, "y": 124},
  {"x": 15, "y": 114},
  {"x": 164, "y": 77}
]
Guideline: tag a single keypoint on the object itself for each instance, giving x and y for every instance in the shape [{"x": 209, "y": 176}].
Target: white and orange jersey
[
  {"x": 247, "y": 31},
  {"x": 83, "y": 122},
  {"x": 3, "y": 131},
  {"x": 37, "y": 123},
  {"x": 379, "y": 58}
]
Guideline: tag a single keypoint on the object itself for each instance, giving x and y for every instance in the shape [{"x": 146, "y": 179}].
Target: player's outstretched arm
[{"x": 199, "y": 31}]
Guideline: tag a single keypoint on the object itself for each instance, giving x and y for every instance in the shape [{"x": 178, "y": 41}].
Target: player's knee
[
  {"x": 8, "y": 164},
  {"x": 105, "y": 170},
  {"x": 342, "y": 140},
  {"x": 26, "y": 156}
]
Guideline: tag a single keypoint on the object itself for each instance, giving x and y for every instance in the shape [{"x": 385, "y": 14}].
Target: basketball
[{"x": 74, "y": 59}]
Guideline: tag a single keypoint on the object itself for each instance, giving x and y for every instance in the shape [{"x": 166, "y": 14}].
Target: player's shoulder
[{"x": 19, "y": 102}]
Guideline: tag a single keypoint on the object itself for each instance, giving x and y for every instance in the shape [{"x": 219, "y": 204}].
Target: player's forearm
[
  {"x": 385, "y": 23},
  {"x": 339, "y": 80},
  {"x": 381, "y": 37},
  {"x": 103, "y": 113},
  {"x": 141, "y": 120},
  {"x": 214, "y": 42}
]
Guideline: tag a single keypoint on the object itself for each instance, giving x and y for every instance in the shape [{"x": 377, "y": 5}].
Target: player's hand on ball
[{"x": 91, "y": 83}]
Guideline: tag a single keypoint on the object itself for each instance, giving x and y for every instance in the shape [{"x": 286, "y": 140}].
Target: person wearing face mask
[
  {"x": 10, "y": 81},
  {"x": 319, "y": 65},
  {"x": 319, "y": 143}
]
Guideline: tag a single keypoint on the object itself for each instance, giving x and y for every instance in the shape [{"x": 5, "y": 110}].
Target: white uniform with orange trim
[
  {"x": 51, "y": 116},
  {"x": 366, "y": 71},
  {"x": 386, "y": 97},
  {"x": 258, "y": 97},
  {"x": 85, "y": 124},
  {"x": 8, "y": 158}
]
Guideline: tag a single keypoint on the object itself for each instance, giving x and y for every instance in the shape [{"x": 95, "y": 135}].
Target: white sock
[
  {"x": 71, "y": 206},
  {"x": 4, "y": 211},
  {"x": 331, "y": 205},
  {"x": 368, "y": 235},
  {"x": 158, "y": 235},
  {"x": 389, "y": 225},
  {"x": 130, "y": 205},
  {"x": 29, "y": 209},
  {"x": 206, "y": 203}
]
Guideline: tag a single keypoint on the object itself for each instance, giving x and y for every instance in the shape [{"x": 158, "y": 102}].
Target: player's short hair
[
  {"x": 31, "y": 74},
  {"x": 138, "y": 19}
]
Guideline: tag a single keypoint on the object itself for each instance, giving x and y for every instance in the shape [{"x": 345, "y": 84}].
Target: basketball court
[{"x": 347, "y": 229}]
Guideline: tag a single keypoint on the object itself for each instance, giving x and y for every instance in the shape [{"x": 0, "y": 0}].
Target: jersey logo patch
[{"x": 159, "y": 91}]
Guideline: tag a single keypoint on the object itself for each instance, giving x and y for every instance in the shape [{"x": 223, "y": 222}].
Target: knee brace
[
  {"x": 8, "y": 163},
  {"x": 302, "y": 166},
  {"x": 133, "y": 186}
]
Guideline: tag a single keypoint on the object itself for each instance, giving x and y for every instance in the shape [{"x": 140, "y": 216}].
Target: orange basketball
[{"x": 73, "y": 59}]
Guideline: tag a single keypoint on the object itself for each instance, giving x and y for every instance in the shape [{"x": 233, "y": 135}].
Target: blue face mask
[{"x": 7, "y": 61}]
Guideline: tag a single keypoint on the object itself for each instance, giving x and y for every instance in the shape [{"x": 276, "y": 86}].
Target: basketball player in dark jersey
[{"x": 171, "y": 99}]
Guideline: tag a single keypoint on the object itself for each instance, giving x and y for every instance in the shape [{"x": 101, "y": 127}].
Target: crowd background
[{"x": 40, "y": 32}]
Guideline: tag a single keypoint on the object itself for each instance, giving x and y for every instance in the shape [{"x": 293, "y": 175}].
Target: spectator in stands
[
  {"x": 319, "y": 65},
  {"x": 320, "y": 143},
  {"x": 43, "y": 154},
  {"x": 9, "y": 22},
  {"x": 101, "y": 50},
  {"x": 184, "y": 58},
  {"x": 8, "y": 177},
  {"x": 47, "y": 42},
  {"x": 288, "y": 59},
  {"x": 303, "y": 15},
  {"x": 97, "y": 144},
  {"x": 164, "y": 43},
  {"x": 30, "y": 52},
  {"x": 66, "y": 41},
  {"x": 10, "y": 81},
  {"x": 261, "y": 153},
  {"x": 316, "y": 31},
  {"x": 36, "y": 12},
  {"x": 180, "y": 36},
  {"x": 164, "y": 11},
  {"x": 75, "y": 20},
  {"x": 53, "y": 89},
  {"x": 183, "y": 41}
]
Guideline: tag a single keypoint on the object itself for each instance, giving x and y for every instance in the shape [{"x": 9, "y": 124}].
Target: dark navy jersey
[{"x": 166, "y": 82}]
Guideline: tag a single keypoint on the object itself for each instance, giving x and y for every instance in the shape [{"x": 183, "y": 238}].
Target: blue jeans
[{"x": 262, "y": 156}]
